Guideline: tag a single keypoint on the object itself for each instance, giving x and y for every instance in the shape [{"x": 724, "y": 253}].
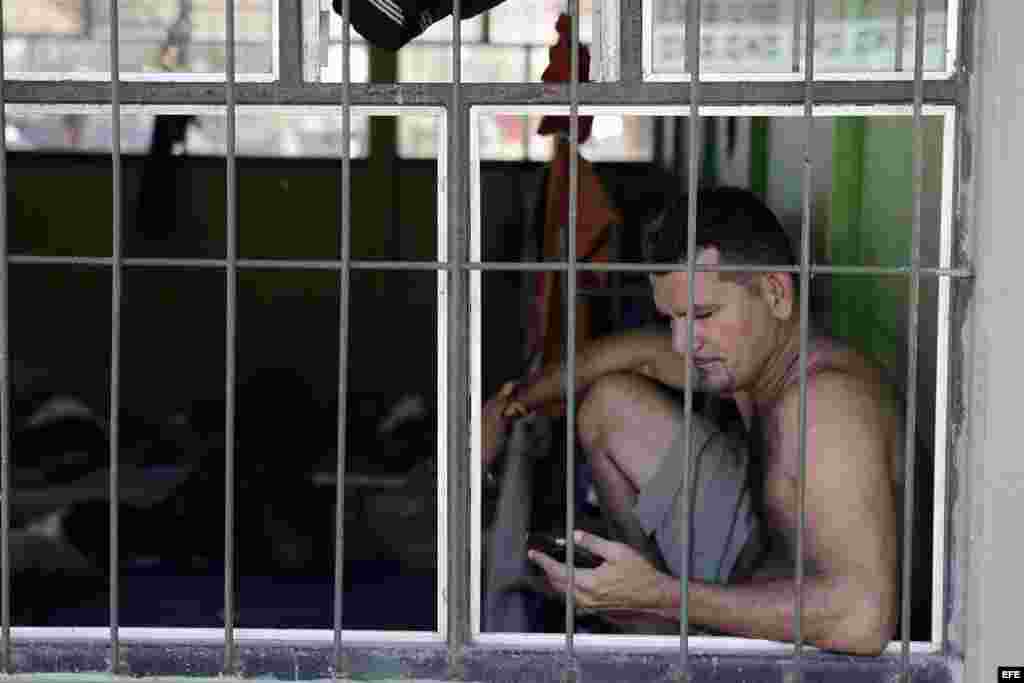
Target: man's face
[{"x": 734, "y": 330}]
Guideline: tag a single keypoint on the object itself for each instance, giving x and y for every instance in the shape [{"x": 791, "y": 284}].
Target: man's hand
[
  {"x": 626, "y": 580},
  {"x": 496, "y": 414}
]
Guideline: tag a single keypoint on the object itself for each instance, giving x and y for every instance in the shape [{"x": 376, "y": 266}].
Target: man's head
[{"x": 741, "y": 319}]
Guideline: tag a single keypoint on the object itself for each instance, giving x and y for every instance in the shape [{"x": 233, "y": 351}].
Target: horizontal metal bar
[
  {"x": 440, "y": 94},
  {"x": 614, "y": 291},
  {"x": 536, "y": 267}
]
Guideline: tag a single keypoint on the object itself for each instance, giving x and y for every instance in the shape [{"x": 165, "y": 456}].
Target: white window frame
[{"x": 941, "y": 434}]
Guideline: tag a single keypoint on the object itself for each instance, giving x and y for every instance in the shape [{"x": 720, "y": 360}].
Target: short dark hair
[{"x": 731, "y": 219}]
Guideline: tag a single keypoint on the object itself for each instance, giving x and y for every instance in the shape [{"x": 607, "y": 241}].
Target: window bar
[
  {"x": 6, "y": 663},
  {"x": 344, "y": 277},
  {"x": 796, "y": 673},
  {"x": 571, "y": 668},
  {"x": 901, "y": 10},
  {"x": 458, "y": 626},
  {"x": 115, "y": 336},
  {"x": 913, "y": 334},
  {"x": 796, "y": 36},
  {"x": 230, "y": 351},
  {"x": 489, "y": 266},
  {"x": 693, "y": 59}
]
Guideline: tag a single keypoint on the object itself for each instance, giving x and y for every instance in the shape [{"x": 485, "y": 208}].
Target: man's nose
[{"x": 679, "y": 333}]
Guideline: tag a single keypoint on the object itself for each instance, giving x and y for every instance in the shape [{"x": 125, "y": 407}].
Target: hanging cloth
[{"x": 596, "y": 216}]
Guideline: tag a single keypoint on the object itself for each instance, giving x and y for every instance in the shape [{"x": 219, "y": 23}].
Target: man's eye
[{"x": 703, "y": 316}]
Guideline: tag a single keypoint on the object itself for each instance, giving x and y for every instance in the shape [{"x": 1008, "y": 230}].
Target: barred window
[{"x": 260, "y": 278}]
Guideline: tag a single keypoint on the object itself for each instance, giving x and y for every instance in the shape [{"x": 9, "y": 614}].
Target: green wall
[{"x": 870, "y": 224}]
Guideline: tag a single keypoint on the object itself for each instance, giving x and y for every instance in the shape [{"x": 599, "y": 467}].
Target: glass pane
[
  {"x": 854, "y": 222},
  {"x": 360, "y": 71},
  {"x": 533, "y": 21},
  {"x": 172, "y": 516},
  {"x": 273, "y": 188},
  {"x": 280, "y": 134},
  {"x": 392, "y": 477},
  {"x": 472, "y": 30},
  {"x": 613, "y": 138},
  {"x": 60, "y": 373},
  {"x": 441, "y": 31},
  {"x": 288, "y": 331},
  {"x": 480, "y": 64},
  {"x": 503, "y": 137},
  {"x": 48, "y": 154},
  {"x": 758, "y": 37},
  {"x": 157, "y": 36},
  {"x": 527, "y": 490}
]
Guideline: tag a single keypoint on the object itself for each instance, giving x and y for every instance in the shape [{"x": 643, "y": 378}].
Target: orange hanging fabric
[{"x": 595, "y": 216}]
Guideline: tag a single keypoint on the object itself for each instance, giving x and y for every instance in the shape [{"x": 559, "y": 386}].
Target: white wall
[{"x": 994, "y": 502}]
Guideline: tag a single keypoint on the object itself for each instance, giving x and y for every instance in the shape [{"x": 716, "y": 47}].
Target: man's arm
[
  {"x": 849, "y": 600},
  {"x": 646, "y": 350}
]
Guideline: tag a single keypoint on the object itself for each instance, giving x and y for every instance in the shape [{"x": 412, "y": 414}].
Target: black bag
[{"x": 391, "y": 24}]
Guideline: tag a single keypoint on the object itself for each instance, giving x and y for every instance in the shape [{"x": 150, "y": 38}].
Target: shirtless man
[{"x": 746, "y": 346}]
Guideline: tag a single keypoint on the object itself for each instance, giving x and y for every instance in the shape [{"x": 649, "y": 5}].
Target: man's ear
[{"x": 777, "y": 291}]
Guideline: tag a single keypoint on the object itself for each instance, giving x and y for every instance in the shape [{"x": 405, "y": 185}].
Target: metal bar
[
  {"x": 340, "y": 665},
  {"x": 289, "y": 42},
  {"x": 901, "y": 11},
  {"x": 693, "y": 65},
  {"x": 796, "y": 673},
  {"x": 6, "y": 663},
  {"x": 631, "y": 41},
  {"x": 796, "y": 37},
  {"x": 623, "y": 93},
  {"x": 490, "y": 266},
  {"x": 805, "y": 282},
  {"x": 457, "y": 567},
  {"x": 571, "y": 669},
  {"x": 913, "y": 339},
  {"x": 230, "y": 350},
  {"x": 115, "y": 335}
]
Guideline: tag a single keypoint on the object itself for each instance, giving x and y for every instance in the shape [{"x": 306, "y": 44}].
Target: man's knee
[{"x": 600, "y": 413}]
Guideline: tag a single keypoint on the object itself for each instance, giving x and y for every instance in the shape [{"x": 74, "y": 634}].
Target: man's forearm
[
  {"x": 625, "y": 351},
  {"x": 767, "y": 609}
]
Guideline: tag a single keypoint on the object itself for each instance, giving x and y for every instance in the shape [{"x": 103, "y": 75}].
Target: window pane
[
  {"x": 360, "y": 70},
  {"x": 758, "y": 37},
  {"x": 472, "y": 30},
  {"x": 80, "y": 223},
  {"x": 157, "y": 37},
  {"x": 172, "y": 515},
  {"x": 279, "y": 134},
  {"x": 533, "y": 21},
  {"x": 391, "y": 512},
  {"x": 480, "y": 64},
  {"x": 613, "y": 138},
  {"x": 60, "y": 370},
  {"x": 861, "y": 216}
]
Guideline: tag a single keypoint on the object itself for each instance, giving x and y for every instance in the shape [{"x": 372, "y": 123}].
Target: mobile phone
[{"x": 556, "y": 546}]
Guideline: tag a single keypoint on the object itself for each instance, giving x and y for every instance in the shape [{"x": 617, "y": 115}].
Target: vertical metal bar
[
  {"x": 805, "y": 297},
  {"x": 340, "y": 668},
  {"x": 458, "y": 481},
  {"x": 694, "y": 148},
  {"x": 631, "y": 42},
  {"x": 901, "y": 11},
  {"x": 570, "y": 340},
  {"x": 6, "y": 664},
  {"x": 115, "y": 335},
  {"x": 230, "y": 351},
  {"x": 290, "y": 49},
  {"x": 913, "y": 334},
  {"x": 796, "y": 36}
]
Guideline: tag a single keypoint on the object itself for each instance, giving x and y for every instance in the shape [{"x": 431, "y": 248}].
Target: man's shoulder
[{"x": 837, "y": 392}]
